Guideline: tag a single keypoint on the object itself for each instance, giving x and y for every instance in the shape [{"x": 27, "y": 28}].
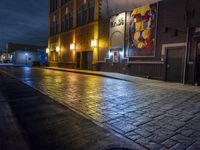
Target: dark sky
[{"x": 23, "y": 21}]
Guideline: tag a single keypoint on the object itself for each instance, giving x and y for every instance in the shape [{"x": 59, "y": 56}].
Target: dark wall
[
  {"x": 171, "y": 23},
  {"x": 103, "y": 39},
  {"x": 193, "y": 12}
]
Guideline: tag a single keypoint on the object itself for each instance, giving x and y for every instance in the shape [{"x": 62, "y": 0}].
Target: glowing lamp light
[
  {"x": 57, "y": 49},
  {"x": 47, "y": 50},
  {"x": 94, "y": 43},
  {"x": 26, "y": 54},
  {"x": 72, "y": 46},
  {"x": 110, "y": 54},
  {"x": 121, "y": 53}
]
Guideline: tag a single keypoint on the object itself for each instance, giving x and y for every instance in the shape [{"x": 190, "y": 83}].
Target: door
[
  {"x": 175, "y": 64},
  {"x": 198, "y": 64},
  {"x": 78, "y": 60},
  {"x": 54, "y": 56},
  {"x": 87, "y": 60},
  {"x": 116, "y": 61}
]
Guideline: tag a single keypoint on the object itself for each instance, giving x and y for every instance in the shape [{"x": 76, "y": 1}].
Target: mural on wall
[{"x": 142, "y": 31}]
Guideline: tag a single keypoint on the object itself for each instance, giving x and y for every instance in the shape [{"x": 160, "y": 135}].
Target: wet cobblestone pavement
[{"x": 156, "y": 117}]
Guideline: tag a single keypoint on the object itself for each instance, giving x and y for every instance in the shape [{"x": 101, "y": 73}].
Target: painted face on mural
[{"x": 142, "y": 31}]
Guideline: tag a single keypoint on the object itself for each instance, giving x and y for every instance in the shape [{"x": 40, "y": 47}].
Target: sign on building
[{"x": 117, "y": 31}]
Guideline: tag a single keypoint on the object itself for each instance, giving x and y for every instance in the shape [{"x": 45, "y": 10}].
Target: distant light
[
  {"x": 26, "y": 54},
  {"x": 121, "y": 53},
  {"x": 94, "y": 43},
  {"x": 57, "y": 49},
  {"x": 110, "y": 54},
  {"x": 47, "y": 50},
  {"x": 72, "y": 46}
]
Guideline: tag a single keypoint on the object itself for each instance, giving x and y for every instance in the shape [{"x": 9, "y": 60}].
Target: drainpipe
[
  {"x": 187, "y": 41},
  {"x": 186, "y": 53}
]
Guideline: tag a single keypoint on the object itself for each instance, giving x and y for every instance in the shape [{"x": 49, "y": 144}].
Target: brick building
[{"x": 144, "y": 38}]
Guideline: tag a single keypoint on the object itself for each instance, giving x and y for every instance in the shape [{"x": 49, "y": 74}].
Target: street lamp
[
  {"x": 58, "y": 49},
  {"x": 94, "y": 43},
  {"x": 72, "y": 46},
  {"x": 47, "y": 50}
]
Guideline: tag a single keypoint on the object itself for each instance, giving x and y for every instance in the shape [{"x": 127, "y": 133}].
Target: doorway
[
  {"x": 198, "y": 64},
  {"x": 78, "y": 60},
  {"x": 175, "y": 64},
  {"x": 87, "y": 58}
]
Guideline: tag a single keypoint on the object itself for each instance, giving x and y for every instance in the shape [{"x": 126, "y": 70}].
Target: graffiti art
[{"x": 142, "y": 31}]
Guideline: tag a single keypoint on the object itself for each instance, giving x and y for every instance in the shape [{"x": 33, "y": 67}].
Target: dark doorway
[
  {"x": 78, "y": 60},
  {"x": 198, "y": 64},
  {"x": 87, "y": 60},
  {"x": 175, "y": 64},
  {"x": 116, "y": 61}
]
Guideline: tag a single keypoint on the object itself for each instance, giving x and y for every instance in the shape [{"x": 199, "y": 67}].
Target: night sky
[{"x": 23, "y": 21}]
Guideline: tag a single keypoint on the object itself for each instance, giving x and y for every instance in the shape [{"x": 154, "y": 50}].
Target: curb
[{"x": 88, "y": 73}]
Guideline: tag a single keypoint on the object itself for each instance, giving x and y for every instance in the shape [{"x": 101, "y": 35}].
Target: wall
[
  {"x": 22, "y": 59},
  {"x": 169, "y": 30},
  {"x": 81, "y": 36}
]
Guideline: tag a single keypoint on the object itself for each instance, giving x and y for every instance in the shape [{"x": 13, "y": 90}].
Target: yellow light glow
[
  {"x": 57, "y": 49},
  {"x": 72, "y": 46},
  {"x": 94, "y": 43},
  {"x": 47, "y": 50}
]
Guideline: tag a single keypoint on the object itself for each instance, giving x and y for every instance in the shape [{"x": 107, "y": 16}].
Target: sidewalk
[
  {"x": 11, "y": 65},
  {"x": 129, "y": 78}
]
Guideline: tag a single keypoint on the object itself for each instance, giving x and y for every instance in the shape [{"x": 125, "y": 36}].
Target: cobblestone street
[{"x": 154, "y": 114}]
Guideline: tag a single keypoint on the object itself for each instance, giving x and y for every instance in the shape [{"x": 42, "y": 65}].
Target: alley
[{"x": 153, "y": 115}]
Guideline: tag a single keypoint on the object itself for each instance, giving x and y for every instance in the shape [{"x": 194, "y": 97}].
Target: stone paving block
[
  {"x": 124, "y": 127},
  {"x": 163, "y": 132},
  {"x": 143, "y": 132},
  {"x": 194, "y": 146},
  {"x": 147, "y": 143},
  {"x": 168, "y": 143},
  {"x": 194, "y": 124},
  {"x": 173, "y": 121},
  {"x": 195, "y": 135},
  {"x": 183, "y": 139},
  {"x": 179, "y": 146},
  {"x": 157, "y": 139},
  {"x": 186, "y": 131},
  {"x": 133, "y": 136},
  {"x": 150, "y": 127}
]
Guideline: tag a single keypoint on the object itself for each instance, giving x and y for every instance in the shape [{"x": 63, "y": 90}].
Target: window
[
  {"x": 91, "y": 11},
  {"x": 86, "y": 14},
  {"x": 64, "y": 2},
  {"x": 79, "y": 18},
  {"x": 70, "y": 21},
  {"x": 54, "y": 28},
  {"x": 54, "y": 5},
  {"x": 63, "y": 23},
  {"x": 67, "y": 22}
]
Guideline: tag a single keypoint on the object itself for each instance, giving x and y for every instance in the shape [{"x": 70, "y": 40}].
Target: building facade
[
  {"x": 23, "y": 54},
  {"x": 153, "y": 39}
]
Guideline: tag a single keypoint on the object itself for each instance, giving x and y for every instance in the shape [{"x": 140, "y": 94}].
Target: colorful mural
[{"x": 142, "y": 31}]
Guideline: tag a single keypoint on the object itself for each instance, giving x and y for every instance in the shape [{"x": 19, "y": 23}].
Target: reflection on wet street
[{"x": 148, "y": 114}]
